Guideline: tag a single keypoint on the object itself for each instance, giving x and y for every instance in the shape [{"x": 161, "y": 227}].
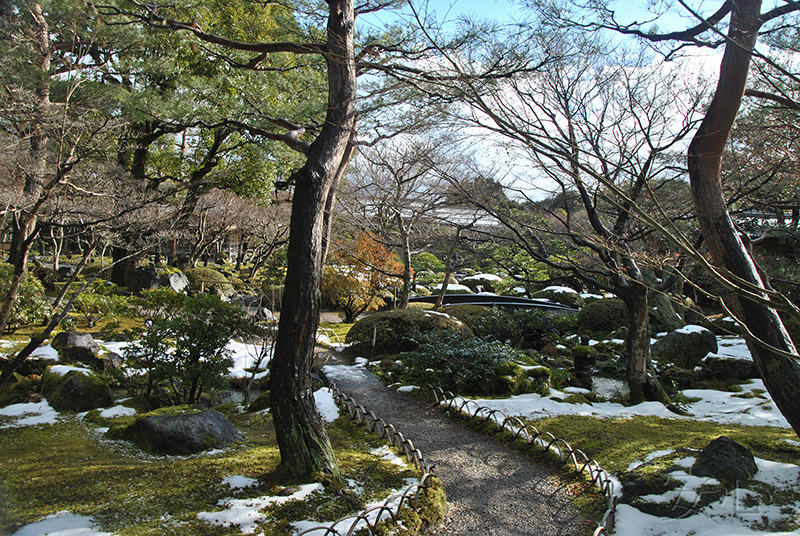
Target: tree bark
[
  {"x": 304, "y": 445},
  {"x": 405, "y": 294},
  {"x": 781, "y": 374}
]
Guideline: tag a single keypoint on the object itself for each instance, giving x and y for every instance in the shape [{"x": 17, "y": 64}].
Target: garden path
[{"x": 491, "y": 488}]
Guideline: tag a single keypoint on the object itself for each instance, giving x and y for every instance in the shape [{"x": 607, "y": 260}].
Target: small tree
[
  {"x": 199, "y": 359},
  {"x": 359, "y": 273}
]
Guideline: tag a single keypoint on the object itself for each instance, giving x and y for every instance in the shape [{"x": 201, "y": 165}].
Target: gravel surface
[{"x": 491, "y": 488}]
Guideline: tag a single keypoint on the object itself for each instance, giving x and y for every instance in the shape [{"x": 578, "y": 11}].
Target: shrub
[
  {"x": 602, "y": 317},
  {"x": 487, "y": 323},
  {"x": 187, "y": 353},
  {"x": 471, "y": 367},
  {"x": 395, "y": 329},
  {"x": 31, "y": 304},
  {"x": 564, "y": 297},
  {"x": 207, "y": 279},
  {"x": 536, "y": 329}
]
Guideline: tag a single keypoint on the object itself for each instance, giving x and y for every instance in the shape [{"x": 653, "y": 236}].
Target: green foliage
[
  {"x": 425, "y": 261},
  {"x": 159, "y": 302},
  {"x": 207, "y": 279},
  {"x": 186, "y": 353},
  {"x": 100, "y": 302},
  {"x": 602, "y": 317},
  {"x": 31, "y": 304},
  {"x": 427, "y": 277},
  {"x": 470, "y": 367},
  {"x": 396, "y": 330},
  {"x": 487, "y": 323}
]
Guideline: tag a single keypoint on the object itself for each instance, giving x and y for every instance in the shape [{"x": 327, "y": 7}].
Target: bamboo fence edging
[
  {"x": 390, "y": 509},
  {"x": 547, "y": 442},
  {"x": 391, "y": 506}
]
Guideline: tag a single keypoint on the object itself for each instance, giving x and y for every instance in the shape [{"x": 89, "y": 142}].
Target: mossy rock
[
  {"x": 395, "y": 328},
  {"x": 261, "y": 403},
  {"x": 570, "y": 299},
  {"x": 24, "y": 389},
  {"x": 539, "y": 372},
  {"x": 602, "y": 317},
  {"x": 513, "y": 380},
  {"x": 75, "y": 390},
  {"x": 187, "y": 432}
]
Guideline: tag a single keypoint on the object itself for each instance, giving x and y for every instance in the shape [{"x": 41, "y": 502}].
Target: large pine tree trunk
[
  {"x": 305, "y": 449},
  {"x": 781, "y": 374}
]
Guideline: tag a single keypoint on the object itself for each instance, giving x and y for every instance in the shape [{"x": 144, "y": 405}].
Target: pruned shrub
[
  {"x": 536, "y": 329},
  {"x": 394, "y": 329},
  {"x": 487, "y": 323},
  {"x": 602, "y": 317},
  {"x": 561, "y": 295},
  {"x": 207, "y": 279},
  {"x": 469, "y": 367}
]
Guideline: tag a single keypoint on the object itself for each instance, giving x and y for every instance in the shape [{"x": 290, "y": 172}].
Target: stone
[
  {"x": 685, "y": 347},
  {"x": 75, "y": 347},
  {"x": 147, "y": 277},
  {"x": 75, "y": 390},
  {"x": 186, "y": 434},
  {"x": 727, "y": 461},
  {"x": 722, "y": 369}
]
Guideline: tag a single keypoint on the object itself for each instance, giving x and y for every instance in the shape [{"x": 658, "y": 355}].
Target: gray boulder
[
  {"x": 723, "y": 368},
  {"x": 685, "y": 347},
  {"x": 186, "y": 434},
  {"x": 76, "y": 347},
  {"x": 727, "y": 461},
  {"x": 147, "y": 277},
  {"x": 76, "y": 390}
]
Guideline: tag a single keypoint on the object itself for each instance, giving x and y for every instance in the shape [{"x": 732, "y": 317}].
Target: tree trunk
[
  {"x": 304, "y": 445},
  {"x": 638, "y": 343},
  {"x": 405, "y": 294},
  {"x": 781, "y": 374}
]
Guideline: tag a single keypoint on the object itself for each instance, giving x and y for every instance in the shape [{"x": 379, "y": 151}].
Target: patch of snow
[
  {"x": 691, "y": 328},
  {"x": 562, "y": 290},
  {"x": 246, "y": 513},
  {"x": 484, "y": 277},
  {"x": 326, "y": 405},
  {"x": 29, "y": 414},
  {"x": 62, "y": 524},
  {"x": 63, "y": 370},
  {"x": 407, "y": 388},
  {"x": 239, "y": 482},
  {"x": 451, "y": 286},
  {"x": 117, "y": 411}
]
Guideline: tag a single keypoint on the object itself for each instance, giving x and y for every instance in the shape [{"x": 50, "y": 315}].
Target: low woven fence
[
  {"x": 390, "y": 508},
  {"x": 409, "y": 497},
  {"x": 544, "y": 441}
]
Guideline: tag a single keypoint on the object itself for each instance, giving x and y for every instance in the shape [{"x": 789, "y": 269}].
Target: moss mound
[
  {"x": 394, "y": 329},
  {"x": 207, "y": 279}
]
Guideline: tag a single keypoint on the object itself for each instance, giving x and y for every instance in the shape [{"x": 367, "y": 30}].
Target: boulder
[
  {"x": 74, "y": 389},
  {"x": 727, "y": 369},
  {"x": 685, "y": 347},
  {"x": 727, "y": 461},
  {"x": 185, "y": 434},
  {"x": 75, "y": 347},
  {"x": 147, "y": 277}
]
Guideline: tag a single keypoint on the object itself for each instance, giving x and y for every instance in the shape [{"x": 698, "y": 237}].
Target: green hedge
[{"x": 395, "y": 329}]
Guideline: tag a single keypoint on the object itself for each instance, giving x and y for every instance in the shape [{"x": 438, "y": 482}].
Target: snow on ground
[
  {"x": 736, "y": 514},
  {"x": 326, "y": 405},
  {"x": 29, "y": 414},
  {"x": 452, "y": 287},
  {"x": 62, "y": 524}
]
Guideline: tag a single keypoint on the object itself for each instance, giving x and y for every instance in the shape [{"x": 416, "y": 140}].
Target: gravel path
[{"x": 491, "y": 488}]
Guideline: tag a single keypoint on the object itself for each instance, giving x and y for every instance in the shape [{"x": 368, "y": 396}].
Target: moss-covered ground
[{"x": 71, "y": 466}]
